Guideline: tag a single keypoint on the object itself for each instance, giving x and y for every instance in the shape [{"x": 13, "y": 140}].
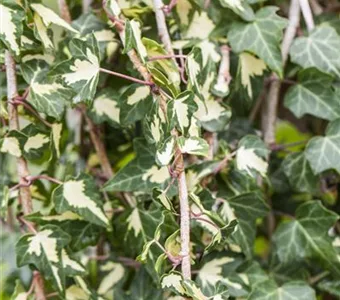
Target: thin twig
[
  {"x": 126, "y": 77},
  {"x": 175, "y": 260},
  {"x": 24, "y": 193},
  {"x": 64, "y": 11},
  {"x": 158, "y": 57},
  {"x": 182, "y": 186},
  {"x": 269, "y": 112},
  {"x": 307, "y": 14},
  {"x": 288, "y": 145},
  {"x": 32, "y": 110},
  {"x": 318, "y": 277}
]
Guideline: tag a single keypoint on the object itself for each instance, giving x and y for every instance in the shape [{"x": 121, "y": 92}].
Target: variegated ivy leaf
[
  {"x": 71, "y": 266},
  {"x": 161, "y": 197},
  {"x": 193, "y": 69},
  {"x": 133, "y": 39},
  {"x": 88, "y": 23},
  {"x": 135, "y": 102},
  {"x": 184, "y": 11},
  {"x": 294, "y": 290},
  {"x": 299, "y": 173},
  {"x": 29, "y": 142},
  {"x": 165, "y": 152},
  {"x": 240, "y": 7},
  {"x": 200, "y": 27},
  {"x": 49, "y": 17},
  {"x": 80, "y": 195},
  {"x": 106, "y": 107},
  {"x": 10, "y": 144},
  {"x": 180, "y": 111},
  {"x": 323, "y": 153},
  {"x": 47, "y": 95},
  {"x": 320, "y": 50},
  {"x": 212, "y": 115},
  {"x": 11, "y": 28},
  {"x": 214, "y": 273},
  {"x": 56, "y": 136},
  {"x": 167, "y": 66},
  {"x": 193, "y": 145},
  {"x": 81, "y": 72},
  {"x": 113, "y": 7},
  {"x": 173, "y": 281},
  {"x": 251, "y": 155},
  {"x": 313, "y": 95},
  {"x": 261, "y": 37},
  {"x": 195, "y": 173},
  {"x": 115, "y": 274},
  {"x": 155, "y": 125},
  {"x": 43, "y": 249},
  {"x": 250, "y": 66},
  {"x": 42, "y": 33},
  {"x": 141, "y": 174},
  {"x": 306, "y": 237},
  {"x": 246, "y": 208}
]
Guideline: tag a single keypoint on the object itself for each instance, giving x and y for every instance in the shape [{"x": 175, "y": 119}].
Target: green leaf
[
  {"x": 43, "y": 249},
  {"x": 323, "y": 153},
  {"x": 141, "y": 174},
  {"x": 106, "y": 107},
  {"x": 135, "y": 102},
  {"x": 261, "y": 37},
  {"x": 56, "y": 136},
  {"x": 251, "y": 155},
  {"x": 193, "y": 69},
  {"x": 246, "y": 208},
  {"x": 313, "y": 95},
  {"x": 299, "y": 173},
  {"x": 240, "y": 7},
  {"x": 45, "y": 94},
  {"x": 42, "y": 33},
  {"x": 193, "y": 145},
  {"x": 180, "y": 111},
  {"x": 306, "y": 237},
  {"x": 80, "y": 195},
  {"x": 81, "y": 72},
  {"x": 133, "y": 39},
  {"x": 289, "y": 291},
  {"x": 155, "y": 124},
  {"x": 320, "y": 50},
  {"x": 12, "y": 15},
  {"x": 330, "y": 286}
]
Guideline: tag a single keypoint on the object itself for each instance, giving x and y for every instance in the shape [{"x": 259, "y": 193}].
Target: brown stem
[
  {"x": 99, "y": 147},
  {"x": 126, "y": 77},
  {"x": 158, "y": 57},
  {"x": 183, "y": 192},
  {"x": 64, "y": 11},
  {"x": 269, "y": 111}
]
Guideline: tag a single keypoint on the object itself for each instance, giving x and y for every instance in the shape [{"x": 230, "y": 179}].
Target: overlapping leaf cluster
[{"x": 264, "y": 218}]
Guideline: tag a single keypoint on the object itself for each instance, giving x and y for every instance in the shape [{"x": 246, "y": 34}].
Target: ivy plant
[{"x": 182, "y": 149}]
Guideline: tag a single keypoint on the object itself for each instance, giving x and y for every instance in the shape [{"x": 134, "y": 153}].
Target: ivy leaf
[
  {"x": 80, "y": 195},
  {"x": 306, "y": 237},
  {"x": 12, "y": 15},
  {"x": 42, "y": 33},
  {"x": 115, "y": 273},
  {"x": 81, "y": 72},
  {"x": 240, "y": 7},
  {"x": 251, "y": 155},
  {"x": 165, "y": 152},
  {"x": 133, "y": 39},
  {"x": 299, "y": 173},
  {"x": 193, "y": 145},
  {"x": 49, "y": 17},
  {"x": 10, "y": 144},
  {"x": 56, "y": 136},
  {"x": 250, "y": 66},
  {"x": 330, "y": 286},
  {"x": 323, "y": 153},
  {"x": 261, "y": 37},
  {"x": 180, "y": 111},
  {"x": 288, "y": 291},
  {"x": 313, "y": 95},
  {"x": 44, "y": 251},
  {"x": 136, "y": 101},
  {"x": 106, "y": 107},
  {"x": 193, "y": 69},
  {"x": 320, "y": 50},
  {"x": 246, "y": 208},
  {"x": 141, "y": 174},
  {"x": 155, "y": 125},
  {"x": 45, "y": 94}
]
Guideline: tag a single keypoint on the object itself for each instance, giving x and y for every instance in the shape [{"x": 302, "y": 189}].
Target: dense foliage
[{"x": 187, "y": 150}]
